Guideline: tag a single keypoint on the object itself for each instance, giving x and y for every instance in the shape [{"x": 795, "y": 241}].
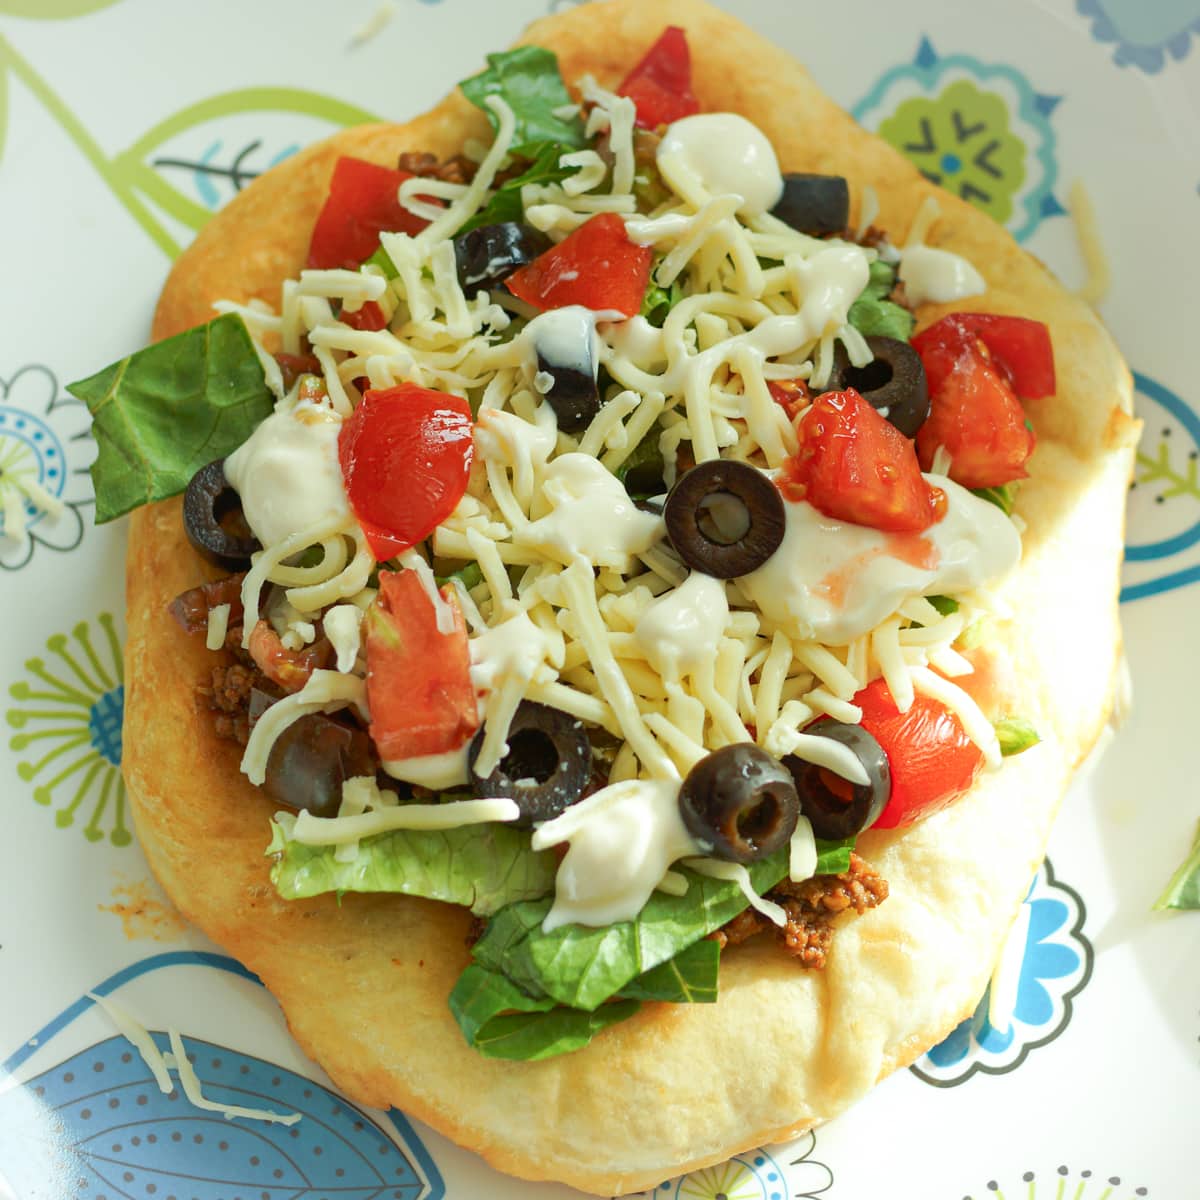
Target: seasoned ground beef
[
  {"x": 454, "y": 170},
  {"x": 811, "y": 908},
  {"x": 228, "y": 699}
]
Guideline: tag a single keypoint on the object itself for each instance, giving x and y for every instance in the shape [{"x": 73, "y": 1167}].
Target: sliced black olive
[
  {"x": 741, "y": 802},
  {"x": 837, "y": 807},
  {"x": 814, "y": 204},
  {"x": 893, "y": 383},
  {"x": 487, "y": 256},
  {"x": 209, "y": 505},
  {"x": 724, "y": 518},
  {"x": 547, "y": 767},
  {"x": 312, "y": 758},
  {"x": 565, "y": 341}
]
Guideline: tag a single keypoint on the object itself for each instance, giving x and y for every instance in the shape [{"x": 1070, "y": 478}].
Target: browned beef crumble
[
  {"x": 227, "y": 698},
  {"x": 811, "y": 906},
  {"x": 454, "y": 170}
]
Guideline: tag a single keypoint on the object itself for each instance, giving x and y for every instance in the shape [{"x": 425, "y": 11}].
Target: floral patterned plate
[{"x": 121, "y": 131}]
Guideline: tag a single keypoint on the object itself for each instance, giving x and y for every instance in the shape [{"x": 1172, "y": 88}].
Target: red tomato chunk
[
  {"x": 932, "y": 760},
  {"x": 853, "y": 465},
  {"x": 660, "y": 86},
  {"x": 595, "y": 266},
  {"x": 418, "y": 679},
  {"x": 406, "y": 457},
  {"x": 363, "y": 202}
]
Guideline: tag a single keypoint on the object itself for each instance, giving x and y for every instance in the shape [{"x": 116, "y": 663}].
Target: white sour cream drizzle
[
  {"x": 681, "y": 630},
  {"x": 287, "y": 473},
  {"x": 562, "y": 334},
  {"x": 833, "y": 581},
  {"x": 622, "y": 840},
  {"x": 727, "y": 155},
  {"x": 592, "y": 516},
  {"x": 930, "y": 274},
  {"x": 515, "y": 648}
]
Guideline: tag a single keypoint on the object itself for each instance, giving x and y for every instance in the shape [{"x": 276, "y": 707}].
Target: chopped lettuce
[
  {"x": 642, "y": 471},
  {"x": 688, "y": 978},
  {"x": 1183, "y": 890},
  {"x": 833, "y": 857},
  {"x": 501, "y": 1020},
  {"x": 505, "y": 204},
  {"x": 1015, "y": 735},
  {"x": 161, "y": 414},
  {"x": 582, "y": 966},
  {"x": 659, "y": 301},
  {"x": 1003, "y": 497},
  {"x": 484, "y": 867},
  {"x": 528, "y": 79},
  {"x": 873, "y": 314},
  {"x": 944, "y": 604}
]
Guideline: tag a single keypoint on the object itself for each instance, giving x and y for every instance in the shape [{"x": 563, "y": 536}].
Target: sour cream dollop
[
  {"x": 287, "y": 473},
  {"x": 622, "y": 840},
  {"x": 728, "y": 155},
  {"x": 834, "y": 581}
]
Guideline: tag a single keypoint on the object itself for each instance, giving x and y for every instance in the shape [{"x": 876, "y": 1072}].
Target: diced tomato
[
  {"x": 291, "y": 669},
  {"x": 596, "y": 266},
  {"x": 932, "y": 760},
  {"x": 660, "y": 86},
  {"x": 369, "y": 317},
  {"x": 418, "y": 678},
  {"x": 975, "y": 416},
  {"x": 854, "y": 465},
  {"x": 790, "y": 394},
  {"x": 363, "y": 202},
  {"x": 1021, "y": 347},
  {"x": 406, "y": 457}
]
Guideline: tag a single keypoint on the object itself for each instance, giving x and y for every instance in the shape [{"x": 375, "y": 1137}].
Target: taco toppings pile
[{"x": 596, "y": 547}]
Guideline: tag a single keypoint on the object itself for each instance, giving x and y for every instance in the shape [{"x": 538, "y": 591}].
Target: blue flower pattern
[
  {"x": 1146, "y": 33},
  {"x": 1055, "y": 966}
]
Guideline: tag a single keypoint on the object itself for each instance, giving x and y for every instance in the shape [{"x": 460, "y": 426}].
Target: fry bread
[{"x": 364, "y": 984}]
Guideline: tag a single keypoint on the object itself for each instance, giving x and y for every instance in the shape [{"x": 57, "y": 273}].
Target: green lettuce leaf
[
  {"x": 688, "y": 978},
  {"x": 1003, "y": 497},
  {"x": 944, "y": 604},
  {"x": 468, "y": 575},
  {"x": 483, "y": 867},
  {"x": 873, "y": 314},
  {"x": 505, "y": 204},
  {"x": 642, "y": 471},
  {"x": 658, "y": 302},
  {"x": 529, "y": 80},
  {"x": 1183, "y": 891},
  {"x": 161, "y": 414},
  {"x": 501, "y": 1021},
  {"x": 881, "y": 318},
  {"x": 1015, "y": 735},
  {"x": 881, "y": 278},
  {"x": 581, "y": 966},
  {"x": 833, "y": 857}
]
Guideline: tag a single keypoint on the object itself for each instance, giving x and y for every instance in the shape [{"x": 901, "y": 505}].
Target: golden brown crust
[{"x": 364, "y": 985}]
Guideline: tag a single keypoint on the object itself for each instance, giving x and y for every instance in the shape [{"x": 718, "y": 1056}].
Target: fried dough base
[{"x": 364, "y": 984}]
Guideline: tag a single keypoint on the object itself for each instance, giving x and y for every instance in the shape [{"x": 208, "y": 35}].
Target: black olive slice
[
  {"x": 487, "y": 256},
  {"x": 209, "y": 502},
  {"x": 741, "y": 802},
  {"x": 565, "y": 342},
  {"x": 814, "y": 204},
  {"x": 546, "y": 769},
  {"x": 724, "y": 518},
  {"x": 836, "y": 807},
  {"x": 893, "y": 383},
  {"x": 312, "y": 758}
]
